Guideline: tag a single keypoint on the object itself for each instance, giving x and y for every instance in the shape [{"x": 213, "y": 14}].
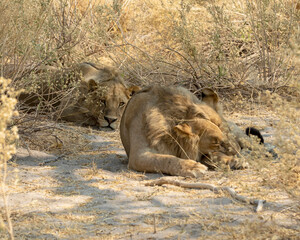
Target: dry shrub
[
  {"x": 36, "y": 33},
  {"x": 44, "y": 91},
  {"x": 225, "y": 44},
  {"x": 8, "y": 136}
]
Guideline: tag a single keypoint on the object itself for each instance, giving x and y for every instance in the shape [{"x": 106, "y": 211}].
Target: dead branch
[
  {"x": 52, "y": 160},
  {"x": 256, "y": 202},
  {"x": 194, "y": 74}
]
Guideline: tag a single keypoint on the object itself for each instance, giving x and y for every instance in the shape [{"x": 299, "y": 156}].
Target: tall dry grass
[{"x": 225, "y": 44}]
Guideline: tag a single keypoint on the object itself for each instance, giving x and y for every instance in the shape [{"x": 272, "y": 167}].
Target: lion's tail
[{"x": 255, "y": 132}]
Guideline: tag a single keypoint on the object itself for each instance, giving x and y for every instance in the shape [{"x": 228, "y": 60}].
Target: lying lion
[
  {"x": 98, "y": 99},
  {"x": 169, "y": 130}
]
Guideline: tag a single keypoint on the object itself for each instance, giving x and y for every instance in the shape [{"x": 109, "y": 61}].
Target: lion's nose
[{"x": 110, "y": 120}]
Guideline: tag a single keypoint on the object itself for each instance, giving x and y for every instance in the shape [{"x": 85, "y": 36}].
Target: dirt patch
[{"x": 92, "y": 194}]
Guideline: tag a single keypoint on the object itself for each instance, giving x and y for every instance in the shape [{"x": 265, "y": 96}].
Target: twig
[
  {"x": 154, "y": 224},
  {"x": 195, "y": 75},
  {"x": 233, "y": 194},
  {"x": 52, "y": 160}
]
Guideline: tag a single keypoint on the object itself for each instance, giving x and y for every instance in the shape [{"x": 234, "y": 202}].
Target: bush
[{"x": 8, "y": 137}]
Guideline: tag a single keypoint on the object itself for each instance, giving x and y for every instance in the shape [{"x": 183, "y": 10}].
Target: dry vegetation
[
  {"x": 247, "y": 50},
  {"x": 8, "y": 137}
]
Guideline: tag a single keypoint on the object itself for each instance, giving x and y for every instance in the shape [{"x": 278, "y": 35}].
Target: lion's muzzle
[{"x": 108, "y": 122}]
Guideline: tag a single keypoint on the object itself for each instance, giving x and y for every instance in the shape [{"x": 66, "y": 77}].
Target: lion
[
  {"x": 97, "y": 98},
  {"x": 169, "y": 130},
  {"x": 102, "y": 98}
]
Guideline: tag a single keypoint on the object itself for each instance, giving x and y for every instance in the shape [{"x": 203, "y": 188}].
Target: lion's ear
[
  {"x": 183, "y": 130},
  {"x": 87, "y": 69},
  {"x": 133, "y": 89},
  {"x": 211, "y": 98}
]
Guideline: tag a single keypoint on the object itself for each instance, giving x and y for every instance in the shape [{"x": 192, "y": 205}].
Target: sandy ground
[{"x": 93, "y": 195}]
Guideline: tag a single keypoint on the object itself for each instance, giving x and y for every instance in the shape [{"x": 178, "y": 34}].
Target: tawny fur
[{"x": 168, "y": 129}]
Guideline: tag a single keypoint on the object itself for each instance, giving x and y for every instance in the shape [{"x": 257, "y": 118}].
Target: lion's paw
[
  {"x": 238, "y": 164},
  {"x": 191, "y": 168}
]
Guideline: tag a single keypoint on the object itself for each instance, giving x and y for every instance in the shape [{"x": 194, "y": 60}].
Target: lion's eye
[
  {"x": 121, "y": 104},
  {"x": 201, "y": 115}
]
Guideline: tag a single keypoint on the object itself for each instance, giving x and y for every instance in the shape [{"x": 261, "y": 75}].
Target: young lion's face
[
  {"x": 203, "y": 132},
  {"x": 210, "y": 136},
  {"x": 107, "y": 103}
]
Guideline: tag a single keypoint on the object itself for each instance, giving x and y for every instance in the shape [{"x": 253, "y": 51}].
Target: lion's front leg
[{"x": 168, "y": 164}]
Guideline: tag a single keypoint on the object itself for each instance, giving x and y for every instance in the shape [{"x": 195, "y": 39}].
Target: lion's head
[
  {"x": 102, "y": 97},
  {"x": 181, "y": 123},
  {"x": 201, "y": 135}
]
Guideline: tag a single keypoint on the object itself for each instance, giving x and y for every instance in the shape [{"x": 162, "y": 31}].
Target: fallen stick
[
  {"x": 51, "y": 160},
  {"x": 256, "y": 202}
]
